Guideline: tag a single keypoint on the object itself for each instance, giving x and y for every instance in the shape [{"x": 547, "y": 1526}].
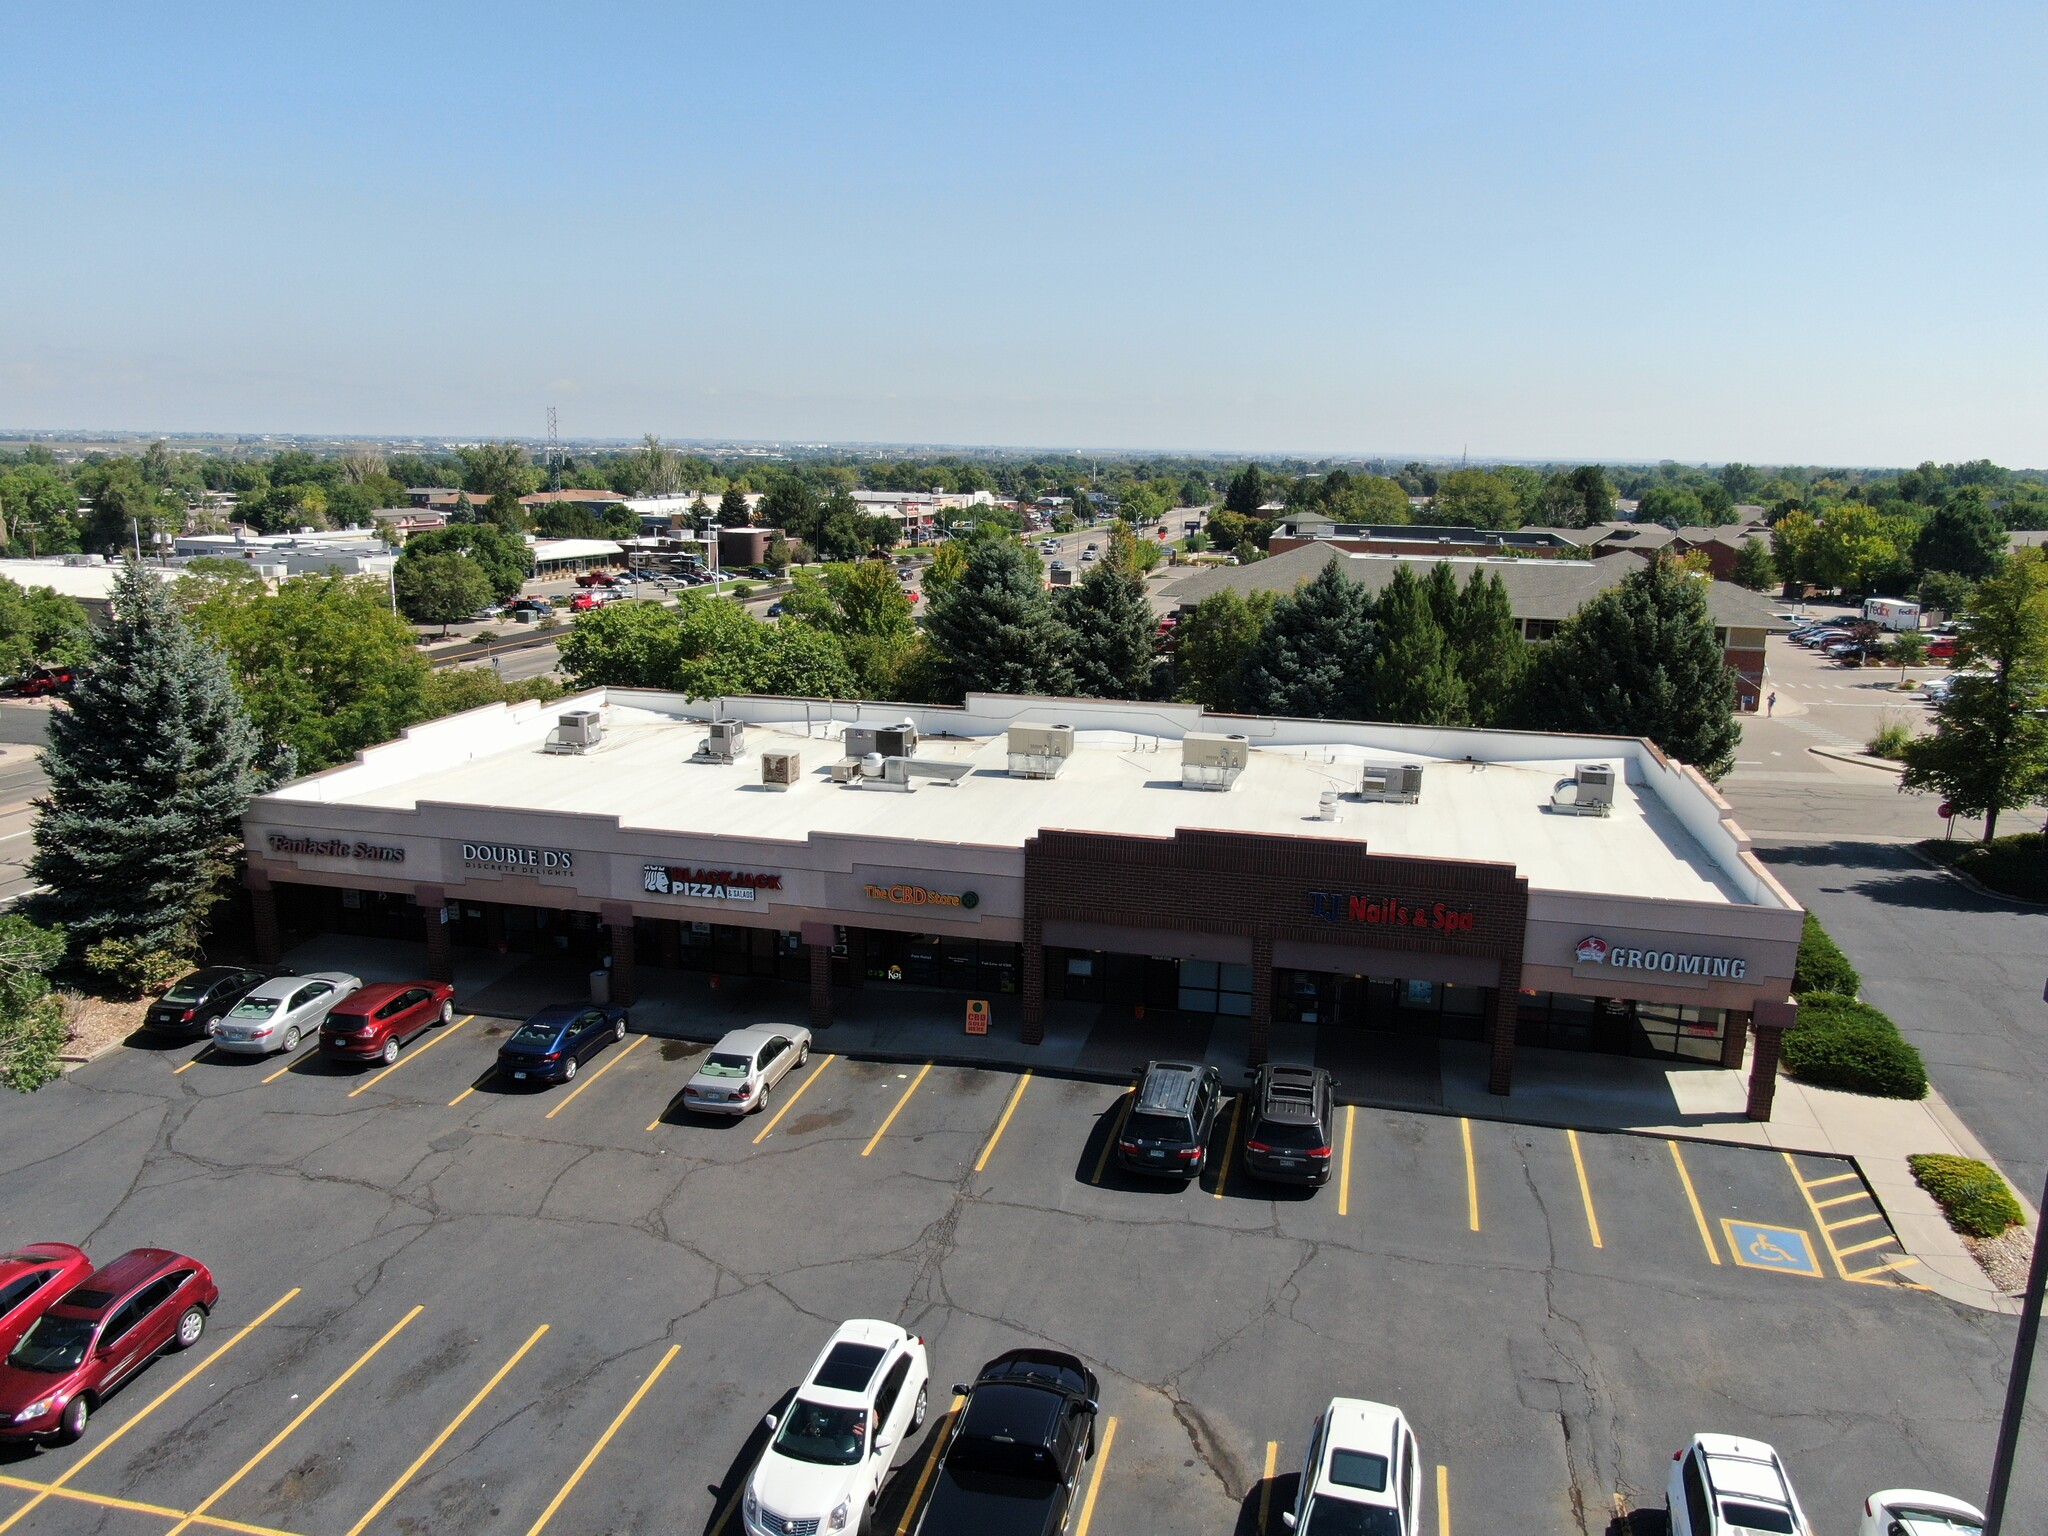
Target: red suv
[
  {"x": 31, "y": 1280},
  {"x": 99, "y": 1335},
  {"x": 371, "y": 1024}
]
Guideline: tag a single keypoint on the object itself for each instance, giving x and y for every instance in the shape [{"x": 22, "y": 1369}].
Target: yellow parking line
[
  {"x": 1344, "y": 1173},
  {"x": 1115, "y": 1135},
  {"x": 1002, "y": 1125},
  {"x": 372, "y": 1082},
  {"x": 306, "y": 1055},
  {"x": 1471, "y": 1178},
  {"x": 462, "y": 1095},
  {"x": 107, "y": 1442},
  {"x": 1229, "y": 1143},
  {"x": 1585, "y": 1190},
  {"x": 1095, "y": 1482},
  {"x": 1853, "y": 1221},
  {"x": 299, "y": 1418},
  {"x": 441, "y": 1439},
  {"x": 1875, "y": 1242},
  {"x": 1821, "y": 1205},
  {"x": 605, "y": 1439},
  {"x": 931, "y": 1465},
  {"x": 1693, "y": 1199},
  {"x": 790, "y": 1103},
  {"x": 1833, "y": 1178},
  {"x": 1443, "y": 1500},
  {"x": 570, "y": 1097},
  {"x": 193, "y": 1060},
  {"x": 135, "y": 1507},
  {"x": 1884, "y": 1269},
  {"x": 1266, "y": 1486},
  {"x": 891, "y": 1119}
]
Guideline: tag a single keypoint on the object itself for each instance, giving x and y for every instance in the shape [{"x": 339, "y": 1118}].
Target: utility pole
[
  {"x": 2016, "y": 1379},
  {"x": 135, "y": 527},
  {"x": 554, "y": 454}
]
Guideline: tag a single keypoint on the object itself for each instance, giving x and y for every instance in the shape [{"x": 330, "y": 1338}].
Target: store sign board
[
  {"x": 1386, "y": 911},
  {"x": 335, "y": 848},
  {"x": 1596, "y": 956},
  {"x": 511, "y": 859},
  {"x": 706, "y": 884},
  {"x": 921, "y": 896}
]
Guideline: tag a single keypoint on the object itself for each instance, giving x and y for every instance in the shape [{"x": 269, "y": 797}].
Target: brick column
[
  {"x": 440, "y": 957},
  {"x": 1031, "y": 960},
  {"x": 263, "y": 918},
  {"x": 821, "y": 985},
  {"x": 1500, "y": 1028},
  {"x": 1770, "y": 1021},
  {"x": 1262, "y": 996},
  {"x": 617, "y": 917},
  {"x": 671, "y": 943},
  {"x": 1736, "y": 1036}
]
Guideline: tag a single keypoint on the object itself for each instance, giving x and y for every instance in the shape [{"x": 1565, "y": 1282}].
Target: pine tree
[
  {"x": 995, "y": 629},
  {"x": 732, "y": 508},
  {"x": 1493, "y": 658},
  {"x": 1415, "y": 671},
  {"x": 1113, "y": 632},
  {"x": 1314, "y": 657},
  {"x": 150, "y": 769},
  {"x": 1247, "y": 492},
  {"x": 1641, "y": 660},
  {"x": 1445, "y": 600},
  {"x": 1754, "y": 567}
]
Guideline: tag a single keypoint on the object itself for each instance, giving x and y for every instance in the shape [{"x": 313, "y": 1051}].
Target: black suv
[
  {"x": 1292, "y": 1114},
  {"x": 195, "y": 1002},
  {"x": 1167, "y": 1130},
  {"x": 1014, "y": 1460}
]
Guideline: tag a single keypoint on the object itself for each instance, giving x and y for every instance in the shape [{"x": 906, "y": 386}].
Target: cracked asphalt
[{"x": 1550, "y": 1378}]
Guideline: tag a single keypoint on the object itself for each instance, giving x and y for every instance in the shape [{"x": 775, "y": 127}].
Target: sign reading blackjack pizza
[{"x": 706, "y": 884}]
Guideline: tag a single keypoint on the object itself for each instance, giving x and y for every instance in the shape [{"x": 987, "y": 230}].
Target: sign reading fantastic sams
[
  {"x": 1337, "y": 907},
  {"x": 336, "y": 848},
  {"x": 714, "y": 884},
  {"x": 505, "y": 859},
  {"x": 1594, "y": 951}
]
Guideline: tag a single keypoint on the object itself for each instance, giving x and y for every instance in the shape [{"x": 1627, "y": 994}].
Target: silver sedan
[
  {"x": 277, "y": 1014},
  {"x": 738, "y": 1074}
]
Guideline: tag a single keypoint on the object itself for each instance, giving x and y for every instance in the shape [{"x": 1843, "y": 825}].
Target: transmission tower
[{"x": 554, "y": 454}]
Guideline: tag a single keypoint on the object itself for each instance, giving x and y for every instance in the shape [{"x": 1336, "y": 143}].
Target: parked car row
[
  {"x": 1287, "y": 1135},
  {"x": 42, "y": 682}
]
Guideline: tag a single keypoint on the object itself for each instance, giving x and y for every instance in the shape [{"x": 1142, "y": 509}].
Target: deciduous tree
[
  {"x": 441, "y": 589},
  {"x": 1211, "y": 643},
  {"x": 1964, "y": 536}
]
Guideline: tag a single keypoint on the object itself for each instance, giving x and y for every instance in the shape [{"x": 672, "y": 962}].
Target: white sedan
[
  {"x": 1722, "y": 1485},
  {"x": 1910, "y": 1512},
  {"x": 277, "y": 1014},
  {"x": 739, "y": 1072},
  {"x": 1362, "y": 1475},
  {"x": 850, "y": 1421}
]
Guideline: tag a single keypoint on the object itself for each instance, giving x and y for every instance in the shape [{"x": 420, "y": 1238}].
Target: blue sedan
[{"x": 548, "y": 1047}]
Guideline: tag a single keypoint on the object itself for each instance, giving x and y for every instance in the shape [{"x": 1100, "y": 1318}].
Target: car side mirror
[
  {"x": 881, "y": 1446},
  {"x": 1287, "y": 1518},
  {"x": 768, "y": 1421},
  {"x": 1094, "y": 1406},
  {"x": 958, "y": 1390}
]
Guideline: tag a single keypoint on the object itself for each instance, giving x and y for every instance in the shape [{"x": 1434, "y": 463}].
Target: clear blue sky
[{"x": 1770, "y": 232}]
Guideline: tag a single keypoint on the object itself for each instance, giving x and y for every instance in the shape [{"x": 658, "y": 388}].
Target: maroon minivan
[{"x": 373, "y": 1022}]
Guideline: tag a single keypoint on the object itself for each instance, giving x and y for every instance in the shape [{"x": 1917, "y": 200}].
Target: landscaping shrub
[
  {"x": 1822, "y": 967},
  {"x": 1841, "y": 1043},
  {"x": 1971, "y": 1193},
  {"x": 1890, "y": 741},
  {"x": 2014, "y": 866},
  {"x": 124, "y": 968}
]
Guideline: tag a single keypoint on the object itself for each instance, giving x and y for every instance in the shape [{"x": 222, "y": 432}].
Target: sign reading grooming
[
  {"x": 336, "y": 848},
  {"x": 711, "y": 884},
  {"x": 1337, "y": 907},
  {"x": 505, "y": 859},
  {"x": 1595, "y": 951}
]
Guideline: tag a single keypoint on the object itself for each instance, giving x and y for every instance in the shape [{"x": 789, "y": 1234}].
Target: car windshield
[
  {"x": 53, "y": 1344},
  {"x": 535, "y": 1034},
  {"x": 1280, "y": 1133},
  {"x": 1159, "y": 1128},
  {"x": 1328, "y": 1516},
  {"x": 718, "y": 1064},
  {"x": 1745, "y": 1516},
  {"x": 254, "y": 1008},
  {"x": 831, "y": 1437},
  {"x": 1933, "y": 1522}
]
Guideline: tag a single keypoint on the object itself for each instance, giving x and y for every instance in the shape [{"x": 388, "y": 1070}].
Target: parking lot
[{"x": 448, "y": 1306}]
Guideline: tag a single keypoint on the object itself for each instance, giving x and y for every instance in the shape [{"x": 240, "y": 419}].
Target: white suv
[
  {"x": 1724, "y": 1486},
  {"x": 1362, "y": 1475},
  {"x": 860, "y": 1402}
]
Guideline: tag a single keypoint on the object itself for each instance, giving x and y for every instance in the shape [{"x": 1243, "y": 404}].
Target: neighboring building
[
  {"x": 87, "y": 578},
  {"x": 561, "y": 557},
  {"x": 1611, "y": 538},
  {"x": 744, "y": 546},
  {"x": 439, "y": 498},
  {"x": 1543, "y": 594},
  {"x": 404, "y": 522},
  {"x": 1419, "y": 539},
  {"x": 596, "y": 501},
  {"x": 2028, "y": 538},
  {"x": 347, "y": 551},
  {"x": 1061, "y": 858},
  {"x": 1721, "y": 546}
]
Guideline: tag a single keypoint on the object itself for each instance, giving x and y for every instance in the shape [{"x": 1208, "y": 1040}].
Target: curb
[
  {"x": 1861, "y": 759},
  {"x": 72, "y": 1062},
  {"x": 1972, "y": 881}
]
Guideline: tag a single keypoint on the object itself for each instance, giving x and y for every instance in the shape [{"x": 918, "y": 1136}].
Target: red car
[
  {"x": 31, "y": 1280},
  {"x": 597, "y": 579},
  {"x": 1941, "y": 648},
  {"x": 583, "y": 602},
  {"x": 44, "y": 681},
  {"x": 99, "y": 1335},
  {"x": 373, "y": 1023}
]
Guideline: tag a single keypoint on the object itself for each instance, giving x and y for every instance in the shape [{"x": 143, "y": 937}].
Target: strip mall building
[{"x": 1285, "y": 878}]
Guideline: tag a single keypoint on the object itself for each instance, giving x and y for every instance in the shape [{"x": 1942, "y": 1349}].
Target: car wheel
[
  {"x": 762, "y": 1102},
  {"x": 72, "y": 1426},
  {"x": 447, "y": 1012},
  {"x": 619, "y": 1030},
  {"x": 291, "y": 1040},
  {"x": 803, "y": 1054},
  {"x": 389, "y": 1054},
  {"x": 569, "y": 1070},
  {"x": 917, "y": 1413},
  {"x": 190, "y": 1326}
]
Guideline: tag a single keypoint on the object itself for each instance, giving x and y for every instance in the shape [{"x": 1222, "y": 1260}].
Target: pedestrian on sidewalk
[{"x": 1771, "y": 704}]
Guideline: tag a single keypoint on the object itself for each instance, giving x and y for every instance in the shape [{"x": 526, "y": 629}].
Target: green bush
[
  {"x": 2013, "y": 866},
  {"x": 125, "y": 969},
  {"x": 1841, "y": 1043},
  {"x": 1822, "y": 967},
  {"x": 1971, "y": 1193},
  {"x": 1890, "y": 741}
]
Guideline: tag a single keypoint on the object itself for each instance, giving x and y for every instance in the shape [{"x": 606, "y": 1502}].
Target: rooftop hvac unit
[
  {"x": 724, "y": 743},
  {"x": 900, "y": 774},
  {"x": 576, "y": 731},
  {"x": 1588, "y": 792},
  {"x": 1039, "y": 751},
  {"x": 889, "y": 740},
  {"x": 1400, "y": 785},
  {"x": 779, "y": 770},
  {"x": 1212, "y": 762},
  {"x": 1326, "y": 805}
]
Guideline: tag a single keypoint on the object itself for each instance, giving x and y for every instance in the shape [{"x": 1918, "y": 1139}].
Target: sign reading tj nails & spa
[
  {"x": 712, "y": 884},
  {"x": 1338, "y": 907},
  {"x": 508, "y": 859}
]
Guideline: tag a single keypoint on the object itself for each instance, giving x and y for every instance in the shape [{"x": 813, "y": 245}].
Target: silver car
[
  {"x": 281, "y": 1012},
  {"x": 735, "y": 1078}
]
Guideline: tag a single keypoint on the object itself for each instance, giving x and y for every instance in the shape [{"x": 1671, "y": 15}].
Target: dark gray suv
[
  {"x": 1287, "y": 1135},
  {"x": 1167, "y": 1130}
]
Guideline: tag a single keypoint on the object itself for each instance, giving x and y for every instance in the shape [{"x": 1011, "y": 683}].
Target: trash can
[{"x": 600, "y": 986}]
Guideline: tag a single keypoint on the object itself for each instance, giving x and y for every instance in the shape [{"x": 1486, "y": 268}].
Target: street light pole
[{"x": 2016, "y": 1379}]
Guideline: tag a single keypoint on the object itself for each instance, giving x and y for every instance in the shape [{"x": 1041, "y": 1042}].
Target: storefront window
[
  {"x": 1689, "y": 1034},
  {"x": 1213, "y": 986}
]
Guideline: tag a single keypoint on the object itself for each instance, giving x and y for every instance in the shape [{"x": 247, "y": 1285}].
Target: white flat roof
[
  {"x": 82, "y": 581},
  {"x": 1124, "y": 777}
]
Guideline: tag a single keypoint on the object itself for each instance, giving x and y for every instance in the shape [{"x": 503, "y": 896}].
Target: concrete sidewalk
[{"x": 1566, "y": 1089}]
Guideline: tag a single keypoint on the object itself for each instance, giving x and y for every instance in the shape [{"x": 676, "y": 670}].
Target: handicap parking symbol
[{"x": 1785, "y": 1249}]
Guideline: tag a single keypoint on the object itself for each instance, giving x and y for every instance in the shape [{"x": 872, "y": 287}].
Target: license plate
[
  {"x": 1155, "y": 1154},
  {"x": 519, "y": 1075}
]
